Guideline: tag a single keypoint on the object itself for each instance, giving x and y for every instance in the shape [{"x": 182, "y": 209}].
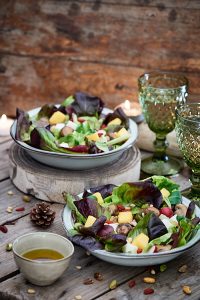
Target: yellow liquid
[{"x": 43, "y": 254}]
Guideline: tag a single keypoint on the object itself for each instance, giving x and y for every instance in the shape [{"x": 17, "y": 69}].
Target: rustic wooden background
[{"x": 50, "y": 49}]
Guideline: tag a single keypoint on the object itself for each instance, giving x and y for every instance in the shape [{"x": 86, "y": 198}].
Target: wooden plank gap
[{"x": 8, "y": 277}]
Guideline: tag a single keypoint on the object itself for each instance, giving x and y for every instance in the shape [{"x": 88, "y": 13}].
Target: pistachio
[
  {"x": 9, "y": 247},
  {"x": 163, "y": 268},
  {"x": 149, "y": 280},
  {"x": 113, "y": 284},
  {"x": 187, "y": 290},
  {"x": 182, "y": 269},
  {"x": 26, "y": 198}
]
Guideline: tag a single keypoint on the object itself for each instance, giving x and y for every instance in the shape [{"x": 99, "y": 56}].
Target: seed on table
[
  {"x": 88, "y": 281},
  {"x": 149, "y": 280},
  {"x": 31, "y": 291},
  {"x": 3, "y": 229},
  {"x": 98, "y": 276},
  {"x": 10, "y": 193},
  {"x": 26, "y": 198},
  {"x": 153, "y": 272},
  {"x": 78, "y": 267},
  {"x": 9, "y": 209},
  {"x": 78, "y": 297},
  {"x": 182, "y": 269},
  {"x": 187, "y": 290},
  {"x": 113, "y": 284},
  {"x": 9, "y": 247},
  {"x": 148, "y": 291},
  {"x": 20, "y": 209}
]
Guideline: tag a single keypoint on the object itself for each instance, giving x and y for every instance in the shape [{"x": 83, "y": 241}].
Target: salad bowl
[
  {"x": 75, "y": 160},
  {"x": 131, "y": 259}
]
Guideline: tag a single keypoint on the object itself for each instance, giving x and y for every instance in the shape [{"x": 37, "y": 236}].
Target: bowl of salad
[
  {"x": 77, "y": 134},
  {"x": 135, "y": 224}
]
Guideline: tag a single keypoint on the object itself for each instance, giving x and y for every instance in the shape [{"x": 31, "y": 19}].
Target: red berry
[
  {"x": 148, "y": 291},
  {"x": 167, "y": 211},
  {"x": 3, "y": 229},
  {"x": 120, "y": 207},
  {"x": 109, "y": 222},
  {"x": 156, "y": 249},
  {"x": 131, "y": 283},
  {"x": 20, "y": 209}
]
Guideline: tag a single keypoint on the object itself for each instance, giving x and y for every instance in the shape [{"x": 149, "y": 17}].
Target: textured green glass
[
  {"x": 188, "y": 137},
  {"x": 159, "y": 95}
]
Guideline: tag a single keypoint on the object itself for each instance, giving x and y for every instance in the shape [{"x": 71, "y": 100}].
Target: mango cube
[
  {"x": 165, "y": 193},
  {"x": 141, "y": 241},
  {"x": 93, "y": 137},
  {"x": 99, "y": 198},
  {"x": 121, "y": 132},
  {"x": 116, "y": 121},
  {"x": 57, "y": 117},
  {"x": 90, "y": 221},
  {"x": 125, "y": 217}
]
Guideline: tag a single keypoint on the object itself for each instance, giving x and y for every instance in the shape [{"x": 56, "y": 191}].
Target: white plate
[
  {"x": 76, "y": 161},
  {"x": 137, "y": 260}
]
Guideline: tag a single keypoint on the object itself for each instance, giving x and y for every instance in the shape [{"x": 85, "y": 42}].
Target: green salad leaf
[{"x": 141, "y": 226}]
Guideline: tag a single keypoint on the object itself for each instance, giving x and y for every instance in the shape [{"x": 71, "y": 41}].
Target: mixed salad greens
[
  {"x": 137, "y": 217},
  {"x": 76, "y": 126}
]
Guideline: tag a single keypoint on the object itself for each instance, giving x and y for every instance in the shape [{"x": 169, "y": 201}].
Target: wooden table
[{"x": 13, "y": 285}]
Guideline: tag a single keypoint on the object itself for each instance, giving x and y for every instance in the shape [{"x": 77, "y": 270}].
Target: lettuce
[{"x": 24, "y": 127}]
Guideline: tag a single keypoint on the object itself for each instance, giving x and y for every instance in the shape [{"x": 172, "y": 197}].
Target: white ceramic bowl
[
  {"x": 76, "y": 161},
  {"x": 42, "y": 272},
  {"x": 137, "y": 260}
]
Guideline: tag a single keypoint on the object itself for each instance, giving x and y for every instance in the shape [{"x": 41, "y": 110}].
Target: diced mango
[
  {"x": 57, "y": 117},
  {"x": 165, "y": 193},
  {"x": 141, "y": 241},
  {"x": 116, "y": 121},
  {"x": 90, "y": 221},
  {"x": 93, "y": 137},
  {"x": 125, "y": 217},
  {"x": 99, "y": 198},
  {"x": 121, "y": 132}
]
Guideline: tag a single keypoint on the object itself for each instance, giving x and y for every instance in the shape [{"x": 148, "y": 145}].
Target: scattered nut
[
  {"x": 78, "y": 267},
  {"x": 187, "y": 290},
  {"x": 153, "y": 272},
  {"x": 9, "y": 209},
  {"x": 88, "y": 253},
  {"x": 10, "y": 193},
  {"x": 26, "y": 198},
  {"x": 148, "y": 291},
  {"x": 152, "y": 209},
  {"x": 98, "y": 276},
  {"x": 182, "y": 269},
  {"x": 149, "y": 280},
  {"x": 78, "y": 297},
  {"x": 180, "y": 210},
  {"x": 31, "y": 291},
  {"x": 162, "y": 248},
  {"x": 9, "y": 247},
  {"x": 88, "y": 281},
  {"x": 113, "y": 284}
]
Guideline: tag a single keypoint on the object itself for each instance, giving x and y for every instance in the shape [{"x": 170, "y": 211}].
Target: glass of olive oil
[
  {"x": 159, "y": 95},
  {"x": 188, "y": 137}
]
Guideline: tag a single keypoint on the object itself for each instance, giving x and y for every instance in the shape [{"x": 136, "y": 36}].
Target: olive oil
[{"x": 43, "y": 254}]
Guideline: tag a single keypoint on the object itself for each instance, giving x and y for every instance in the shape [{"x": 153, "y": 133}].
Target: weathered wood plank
[
  {"x": 168, "y": 284},
  {"x": 4, "y": 163}
]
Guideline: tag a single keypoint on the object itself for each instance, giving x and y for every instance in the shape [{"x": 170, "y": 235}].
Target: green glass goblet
[
  {"x": 159, "y": 94},
  {"x": 188, "y": 137}
]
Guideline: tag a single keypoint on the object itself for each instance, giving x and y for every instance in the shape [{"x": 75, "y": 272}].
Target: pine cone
[{"x": 42, "y": 215}]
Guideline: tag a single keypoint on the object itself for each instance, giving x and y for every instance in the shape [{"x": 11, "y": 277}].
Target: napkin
[{"x": 146, "y": 138}]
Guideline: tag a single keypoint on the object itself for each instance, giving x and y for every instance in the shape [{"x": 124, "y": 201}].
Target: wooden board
[{"x": 47, "y": 183}]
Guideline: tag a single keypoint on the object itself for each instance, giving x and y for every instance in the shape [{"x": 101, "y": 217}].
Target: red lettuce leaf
[
  {"x": 87, "y": 242},
  {"x": 78, "y": 149},
  {"x": 104, "y": 190},
  {"x": 155, "y": 227},
  {"x": 23, "y": 125},
  {"x": 105, "y": 231},
  {"x": 89, "y": 206},
  {"x": 115, "y": 242},
  {"x": 85, "y": 105},
  {"x": 190, "y": 210}
]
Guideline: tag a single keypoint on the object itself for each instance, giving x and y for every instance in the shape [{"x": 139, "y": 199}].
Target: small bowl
[{"x": 42, "y": 272}]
